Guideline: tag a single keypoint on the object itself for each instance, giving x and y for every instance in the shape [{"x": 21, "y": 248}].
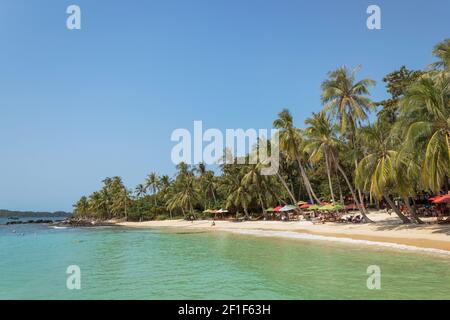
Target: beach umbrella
[
  {"x": 222, "y": 211},
  {"x": 339, "y": 207},
  {"x": 442, "y": 199},
  {"x": 314, "y": 207},
  {"x": 327, "y": 207},
  {"x": 300, "y": 203},
  {"x": 305, "y": 206},
  {"x": 277, "y": 209},
  {"x": 288, "y": 208},
  {"x": 269, "y": 210}
]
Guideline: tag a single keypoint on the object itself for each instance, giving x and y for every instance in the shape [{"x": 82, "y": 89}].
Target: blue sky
[{"x": 78, "y": 106}]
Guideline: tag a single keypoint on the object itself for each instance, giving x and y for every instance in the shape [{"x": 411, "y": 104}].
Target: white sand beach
[{"x": 387, "y": 229}]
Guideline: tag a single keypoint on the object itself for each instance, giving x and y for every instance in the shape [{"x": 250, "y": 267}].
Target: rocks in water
[
  {"x": 72, "y": 222},
  {"x": 29, "y": 222}
]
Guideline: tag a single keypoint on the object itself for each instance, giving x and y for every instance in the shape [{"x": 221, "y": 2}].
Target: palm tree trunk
[
  {"x": 361, "y": 198},
  {"x": 361, "y": 208},
  {"x": 307, "y": 183},
  {"x": 291, "y": 195},
  {"x": 246, "y": 212},
  {"x": 329, "y": 177},
  {"x": 341, "y": 197},
  {"x": 396, "y": 210},
  {"x": 261, "y": 203},
  {"x": 412, "y": 210},
  {"x": 214, "y": 197}
]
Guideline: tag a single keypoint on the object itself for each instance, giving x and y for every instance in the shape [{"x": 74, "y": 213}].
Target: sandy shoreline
[{"x": 385, "y": 230}]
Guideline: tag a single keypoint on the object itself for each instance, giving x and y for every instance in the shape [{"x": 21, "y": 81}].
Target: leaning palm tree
[
  {"x": 376, "y": 172},
  {"x": 321, "y": 142},
  {"x": 425, "y": 111},
  {"x": 290, "y": 142}
]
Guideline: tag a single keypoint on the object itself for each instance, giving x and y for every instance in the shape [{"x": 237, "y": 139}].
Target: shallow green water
[{"x": 152, "y": 264}]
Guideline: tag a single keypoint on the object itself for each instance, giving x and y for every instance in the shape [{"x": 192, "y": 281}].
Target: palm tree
[
  {"x": 321, "y": 142},
  {"x": 140, "y": 190},
  {"x": 152, "y": 183},
  {"x": 425, "y": 110},
  {"x": 186, "y": 198},
  {"x": 121, "y": 203},
  {"x": 238, "y": 196},
  {"x": 442, "y": 52},
  {"x": 407, "y": 171},
  {"x": 346, "y": 100},
  {"x": 81, "y": 208},
  {"x": 290, "y": 142},
  {"x": 254, "y": 182},
  {"x": 377, "y": 170}
]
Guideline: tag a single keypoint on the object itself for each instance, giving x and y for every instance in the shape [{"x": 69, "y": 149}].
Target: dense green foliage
[{"x": 339, "y": 155}]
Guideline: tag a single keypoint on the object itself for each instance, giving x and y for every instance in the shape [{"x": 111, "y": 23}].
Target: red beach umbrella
[
  {"x": 305, "y": 206},
  {"x": 442, "y": 199},
  {"x": 277, "y": 209}
]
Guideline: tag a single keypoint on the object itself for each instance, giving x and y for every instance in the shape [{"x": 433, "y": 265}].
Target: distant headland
[{"x": 9, "y": 213}]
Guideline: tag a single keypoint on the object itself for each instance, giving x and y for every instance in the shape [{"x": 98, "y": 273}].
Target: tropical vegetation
[{"x": 353, "y": 150}]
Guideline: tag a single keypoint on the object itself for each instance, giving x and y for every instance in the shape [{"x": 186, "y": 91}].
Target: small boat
[{"x": 13, "y": 218}]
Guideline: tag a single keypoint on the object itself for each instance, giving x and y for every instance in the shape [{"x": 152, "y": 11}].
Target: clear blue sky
[{"x": 78, "y": 106}]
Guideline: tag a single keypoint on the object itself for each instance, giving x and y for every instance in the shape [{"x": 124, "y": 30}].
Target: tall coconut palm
[
  {"x": 152, "y": 183},
  {"x": 290, "y": 143},
  {"x": 376, "y": 172},
  {"x": 347, "y": 100},
  {"x": 426, "y": 110},
  {"x": 321, "y": 142}
]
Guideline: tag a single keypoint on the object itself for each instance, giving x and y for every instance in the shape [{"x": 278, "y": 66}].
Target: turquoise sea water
[{"x": 119, "y": 263}]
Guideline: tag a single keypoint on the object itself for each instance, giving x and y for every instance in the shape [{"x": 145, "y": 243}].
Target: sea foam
[{"x": 307, "y": 236}]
